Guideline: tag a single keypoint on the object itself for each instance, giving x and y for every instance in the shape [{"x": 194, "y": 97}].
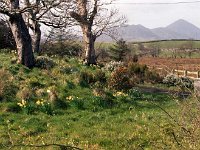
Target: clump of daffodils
[
  {"x": 71, "y": 98},
  {"x": 119, "y": 94},
  {"x": 48, "y": 91},
  {"x": 22, "y": 103},
  {"x": 40, "y": 102}
]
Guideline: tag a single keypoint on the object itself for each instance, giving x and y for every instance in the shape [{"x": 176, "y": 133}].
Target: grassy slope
[{"x": 129, "y": 125}]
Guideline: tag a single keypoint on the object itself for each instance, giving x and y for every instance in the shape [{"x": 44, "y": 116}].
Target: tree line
[{"x": 25, "y": 17}]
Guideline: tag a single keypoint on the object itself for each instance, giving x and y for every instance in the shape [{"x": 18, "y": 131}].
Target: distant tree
[
  {"x": 187, "y": 48},
  {"x": 155, "y": 50},
  {"x": 119, "y": 50},
  {"x": 141, "y": 47}
]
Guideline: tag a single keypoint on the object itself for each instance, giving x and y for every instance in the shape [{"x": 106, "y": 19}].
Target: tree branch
[{"x": 47, "y": 145}]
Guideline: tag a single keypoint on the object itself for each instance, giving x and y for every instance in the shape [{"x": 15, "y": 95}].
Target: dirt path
[{"x": 154, "y": 90}]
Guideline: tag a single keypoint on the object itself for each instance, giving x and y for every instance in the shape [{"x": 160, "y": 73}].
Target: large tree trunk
[
  {"x": 23, "y": 40},
  {"x": 89, "y": 41},
  {"x": 21, "y": 36},
  {"x": 36, "y": 39}
]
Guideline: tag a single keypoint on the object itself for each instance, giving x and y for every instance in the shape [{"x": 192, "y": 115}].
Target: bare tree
[
  {"x": 49, "y": 12},
  {"x": 26, "y": 14},
  {"x": 12, "y": 9},
  {"x": 95, "y": 19}
]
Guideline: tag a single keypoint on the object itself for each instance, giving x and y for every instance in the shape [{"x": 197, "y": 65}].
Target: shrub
[
  {"x": 62, "y": 49},
  {"x": 153, "y": 77},
  {"x": 100, "y": 76},
  {"x": 174, "y": 80},
  {"x": 186, "y": 82},
  {"x": 44, "y": 62},
  {"x": 86, "y": 77},
  {"x": 119, "y": 50},
  {"x": 140, "y": 73},
  {"x": 137, "y": 69},
  {"x": 119, "y": 79},
  {"x": 171, "y": 80}
]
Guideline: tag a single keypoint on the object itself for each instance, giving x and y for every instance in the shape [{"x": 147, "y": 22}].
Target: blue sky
[{"x": 153, "y": 16}]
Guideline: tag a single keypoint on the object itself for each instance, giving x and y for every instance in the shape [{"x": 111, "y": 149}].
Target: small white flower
[{"x": 48, "y": 91}]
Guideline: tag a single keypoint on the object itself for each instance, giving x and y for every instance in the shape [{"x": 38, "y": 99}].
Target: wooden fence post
[
  {"x": 198, "y": 74},
  {"x": 185, "y": 73},
  {"x": 173, "y": 71}
]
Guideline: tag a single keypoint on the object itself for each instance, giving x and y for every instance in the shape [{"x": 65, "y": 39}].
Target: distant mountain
[
  {"x": 180, "y": 29},
  {"x": 185, "y": 28},
  {"x": 165, "y": 34}
]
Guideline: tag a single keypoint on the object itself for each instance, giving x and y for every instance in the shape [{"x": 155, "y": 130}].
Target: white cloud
[{"x": 153, "y": 16}]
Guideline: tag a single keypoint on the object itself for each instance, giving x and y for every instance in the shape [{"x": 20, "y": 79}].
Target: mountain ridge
[{"x": 180, "y": 29}]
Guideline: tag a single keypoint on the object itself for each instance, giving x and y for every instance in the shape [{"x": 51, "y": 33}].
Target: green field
[
  {"x": 172, "y": 43},
  {"x": 31, "y": 118}
]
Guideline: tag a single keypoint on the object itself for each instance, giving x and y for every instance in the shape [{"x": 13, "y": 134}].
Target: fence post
[
  {"x": 185, "y": 73},
  {"x": 173, "y": 71},
  {"x": 198, "y": 74}
]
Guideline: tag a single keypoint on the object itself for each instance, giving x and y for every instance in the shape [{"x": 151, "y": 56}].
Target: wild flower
[
  {"x": 96, "y": 93},
  {"x": 119, "y": 94},
  {"x": 22, "y": 103},
  {"x": 48, "y": 91},
  {"x": 70, "y": 98},
  {"x": 40, "y": 102},
  {"x": 111, "y": 66}
]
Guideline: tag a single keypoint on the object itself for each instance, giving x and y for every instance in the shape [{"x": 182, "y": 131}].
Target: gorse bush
[{"x": 119, "y": 79}]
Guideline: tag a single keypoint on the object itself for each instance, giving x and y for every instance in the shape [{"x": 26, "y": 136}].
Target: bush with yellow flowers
[{"x": 119, "y": 79}]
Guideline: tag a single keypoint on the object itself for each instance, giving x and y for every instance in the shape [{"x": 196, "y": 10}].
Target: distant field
[
  {"x": 168, "y": 64},
  {"x": 171, "y": 43}
]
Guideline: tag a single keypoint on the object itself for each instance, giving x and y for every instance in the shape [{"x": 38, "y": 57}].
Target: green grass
[{"x": 86, "y": 122}]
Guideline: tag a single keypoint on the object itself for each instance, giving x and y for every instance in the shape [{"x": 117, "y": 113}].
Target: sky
[{"x": 153, "y": 16}]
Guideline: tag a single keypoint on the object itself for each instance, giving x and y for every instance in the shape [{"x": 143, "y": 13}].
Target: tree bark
[
  {"x": 21, "y": 36},
  {"x": 89, "y": 40}
]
